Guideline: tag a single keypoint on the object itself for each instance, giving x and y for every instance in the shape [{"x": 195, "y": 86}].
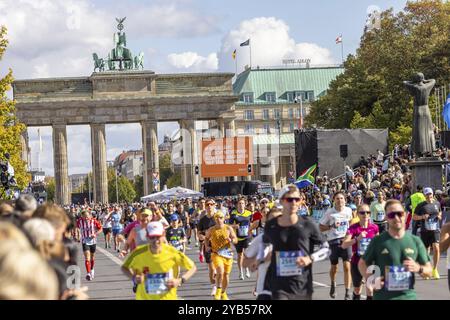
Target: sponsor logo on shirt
[
  {"x": 409, "y": 251},
  {"x": 385, "y": 251}
]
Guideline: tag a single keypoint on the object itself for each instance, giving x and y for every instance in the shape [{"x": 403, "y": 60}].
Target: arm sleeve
[
  {"x": 184, "y": 261},
  {"x": 325, "y": 219},
  {"x": 253, "y": 248}
]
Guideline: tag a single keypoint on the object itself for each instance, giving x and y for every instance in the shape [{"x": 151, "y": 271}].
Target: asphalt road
[{"x": 111, "y": 284}]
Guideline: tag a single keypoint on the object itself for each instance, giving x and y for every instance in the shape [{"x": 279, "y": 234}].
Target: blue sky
[{"x": 57, "y": 38}]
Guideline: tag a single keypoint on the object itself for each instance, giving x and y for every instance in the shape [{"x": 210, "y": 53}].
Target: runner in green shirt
[{"x": 398, "y": 255}]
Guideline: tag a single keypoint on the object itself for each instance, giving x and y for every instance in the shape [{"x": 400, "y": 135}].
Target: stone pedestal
[
  {"x": 427, "y": 172},
  {"x": 151, "y": 156},
  {"x": 62, "y": 195},
  {"x": 99, "y": 168}
]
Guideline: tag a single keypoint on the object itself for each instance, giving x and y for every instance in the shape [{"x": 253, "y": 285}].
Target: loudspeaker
[
  {"x": 445, "y": 138},
  {"x": 343, "y": 148}
]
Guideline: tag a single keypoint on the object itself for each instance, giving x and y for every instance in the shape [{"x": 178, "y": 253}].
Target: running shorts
[
  {"x": 337, "y": 252},
  {"x": 221, "y": 262},
  {"x": 89, "y": 247},
  {"x": 241, "y": 245},
  {"x": 430, "y": 237}
]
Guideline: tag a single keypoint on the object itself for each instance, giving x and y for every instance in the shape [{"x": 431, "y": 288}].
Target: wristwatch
[
  {"x": 421, "y": 270},
  {"x": 183, "y": 280}
]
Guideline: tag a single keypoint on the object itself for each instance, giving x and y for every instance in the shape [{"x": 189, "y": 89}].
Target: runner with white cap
[
  {"x": 445, "y": 246},
  {"x": 155, "y": 267}
]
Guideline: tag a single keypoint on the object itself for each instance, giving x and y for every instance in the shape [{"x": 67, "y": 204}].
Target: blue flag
[{"x": 446, "y": 111}]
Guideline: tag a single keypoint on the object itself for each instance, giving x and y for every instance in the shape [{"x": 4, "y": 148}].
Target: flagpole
[
  {"x": 342, "y": 50},
  {"x": 250, "y": 45}
]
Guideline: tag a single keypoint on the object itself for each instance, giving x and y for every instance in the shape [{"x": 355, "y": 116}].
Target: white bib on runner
[
  {"x": 398, "y": 279},
  {"x": 225, "y": 252},
  {"x": 243, "y": 230},
  {"x": 431, "y": 224},
  {"x": 156, "y": 283},
  {"x": 380, "y": 216},
  {"x": 286, "y": 262},
  {"x": 362, "y": 246}
]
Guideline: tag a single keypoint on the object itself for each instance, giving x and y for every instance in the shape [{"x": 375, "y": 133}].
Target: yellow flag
[{"x": 234, "y": 54}]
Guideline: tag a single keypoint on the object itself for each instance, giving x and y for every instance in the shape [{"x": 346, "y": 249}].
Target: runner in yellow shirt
[
  {"x": 221, "y": 237},
  {"x": 155, "y": 267}
]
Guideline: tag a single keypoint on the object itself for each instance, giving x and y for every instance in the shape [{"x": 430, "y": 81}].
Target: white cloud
[
  {"x": 193, "y": 62},
  {"x": 270, "y": 44}
]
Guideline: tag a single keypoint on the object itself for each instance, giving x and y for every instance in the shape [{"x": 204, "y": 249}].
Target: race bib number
[
  {"x": 380, "y": 216},
  {"x": 287, "y": 263},
  {"x": 156, "y": 283},
  {"x": 341, "y": 228},
  {"x": 225, "y": 252},
  {"x": 398, "y": 279},
  {"x": 176, "y": 244},
  {"x": 431, "y": 225},
  {"x": 243, "y": 231},
  {"x": 362, "y": 246}
]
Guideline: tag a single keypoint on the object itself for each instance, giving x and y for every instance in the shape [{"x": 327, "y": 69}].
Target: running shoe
[
  {"x": 224, "y": 296},
  {"x": 88, "y": 277},
  {"x": 247, "y": 272},
  {"x": 92, "y": 274},
  {"x": 218, "y": 294},
  {"x": 435, "y": 274},
  {"x": 214, "y": 290},
  {"x": 333, "y": 291},
  {"x": 241, "y": 275},
  {"x": 347, "y": 297},
  {"x": 196, "y": 244}
]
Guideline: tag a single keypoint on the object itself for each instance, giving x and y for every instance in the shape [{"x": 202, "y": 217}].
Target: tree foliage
[
  {"x": 125, "y": 188},
  {"x": 370, "y": 92},
  {"x": 10, "y": 127}
]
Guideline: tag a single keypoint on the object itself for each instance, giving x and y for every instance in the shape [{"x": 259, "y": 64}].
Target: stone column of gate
[
  {"x": 99, "y": 167},
  {"x": 62, "y": 195},
  {"x": 24, "y": 147},
  {"x": 188, "y": 137},
  {"x": 151, "y": 156}
]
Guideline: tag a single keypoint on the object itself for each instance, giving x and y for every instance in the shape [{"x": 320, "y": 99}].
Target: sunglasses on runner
[
  {"x": 364, "y": 212},
  {"x": 393, "y": 214},
  {"x": 290, "y": 200}
]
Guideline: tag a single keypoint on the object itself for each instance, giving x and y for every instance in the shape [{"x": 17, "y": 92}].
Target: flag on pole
[
  {"x": 234, "y": 54},
  {"x": 339, "y": 39},
  {"x": 446, "y": 111},
  {"x": 245, "y": 43}
]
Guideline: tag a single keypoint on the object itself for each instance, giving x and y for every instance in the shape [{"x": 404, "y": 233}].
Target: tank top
[
  {"x": 219, "y": 239},
  {"x": 141, "y": 235}
]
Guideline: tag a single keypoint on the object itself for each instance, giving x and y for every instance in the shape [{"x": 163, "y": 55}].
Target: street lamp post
[
  {"x": 279, "y": 147},
  {"x": 117, "y": 189}
]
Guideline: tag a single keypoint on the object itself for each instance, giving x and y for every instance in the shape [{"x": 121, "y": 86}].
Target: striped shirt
[{"x": 88, "y": 228}]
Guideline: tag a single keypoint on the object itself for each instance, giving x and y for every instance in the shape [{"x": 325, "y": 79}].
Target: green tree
[
  {"x": 10, "y": 127},
  {"x": 50, "y": 189},
  {"x": 124, "y": 186},
  {"x": 165, "y": 171},
  {"x": 174, "y": 180},
  {"x": 139, "y": 187},
  {"x": 370, "y": 92}
]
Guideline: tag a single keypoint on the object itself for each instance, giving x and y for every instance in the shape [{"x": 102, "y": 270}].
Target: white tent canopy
[{"x": 173, "y": 193}]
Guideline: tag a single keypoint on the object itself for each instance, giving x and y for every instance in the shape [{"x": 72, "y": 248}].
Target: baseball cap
[
  {"x": 173, "y": 217},
  {"x": 146, "y": 212},
  {"x": 352, "y": 206},
  {"x": 427, "y": 191},
  {"x": 264, "y": 199},
  {"x": 155, "y": 229}
]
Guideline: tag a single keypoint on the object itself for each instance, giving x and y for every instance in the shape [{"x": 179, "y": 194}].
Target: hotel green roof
[{"x": 281, "y": 81}]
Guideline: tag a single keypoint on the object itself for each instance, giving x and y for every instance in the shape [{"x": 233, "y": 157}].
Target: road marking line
[{"x": 110, "y": 256}]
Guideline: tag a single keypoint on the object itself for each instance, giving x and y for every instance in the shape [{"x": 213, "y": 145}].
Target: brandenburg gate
[
  {"x": 125, "y": 93},
  {"x": 125, "y": 97}
]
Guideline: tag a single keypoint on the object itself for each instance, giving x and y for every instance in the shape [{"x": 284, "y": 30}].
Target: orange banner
[{"x": 227, "y": 157}]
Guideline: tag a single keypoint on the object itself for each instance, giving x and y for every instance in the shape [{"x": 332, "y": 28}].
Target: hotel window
[
  {"x": 311, "y": 96},
  {"x": 266, "y": 128},
  {"x": 249, "y": 128},
  {"x": 276, "y": 113},
  {"x": 290, "y": 96},
  {"x": 291, "y": 127},
  {"x": 265, "y": 114},
  {"x": 247, "y": 97},
  {"x": 249, "y": 115},
  {"x": 291, "y": 113},
  {"x": 271, "y": 97}
]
